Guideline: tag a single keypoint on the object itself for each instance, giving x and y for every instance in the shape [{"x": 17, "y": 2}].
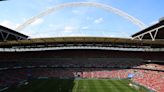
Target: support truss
[
  {"x": 7, "y": 35},
  {"x": 153, "y": 36}
]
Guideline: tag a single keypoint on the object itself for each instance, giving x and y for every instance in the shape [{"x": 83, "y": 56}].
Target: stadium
[{"x": 82, "y": 64}]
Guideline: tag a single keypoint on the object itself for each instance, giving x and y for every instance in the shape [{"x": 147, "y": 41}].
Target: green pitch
[{"x": 68, "y": 85}]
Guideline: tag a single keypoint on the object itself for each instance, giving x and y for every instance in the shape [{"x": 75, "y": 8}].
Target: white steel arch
[{"x": 108, "y": 8}]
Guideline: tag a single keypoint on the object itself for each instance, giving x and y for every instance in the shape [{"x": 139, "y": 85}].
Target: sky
[{"x": 80, "y": 20}]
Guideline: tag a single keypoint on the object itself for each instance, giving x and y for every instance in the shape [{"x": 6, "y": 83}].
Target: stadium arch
[{"x": 108, "y": 8}]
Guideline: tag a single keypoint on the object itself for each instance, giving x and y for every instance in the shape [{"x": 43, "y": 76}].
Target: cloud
[
  {"x": 76, "y": 12},
  {"x": 37, "y": 22},
  {"x": 89, "y": 18},
  {"x": 98, "y": 21},
  {"x": 76, "y": 34},
  {"x": 92, "y": 0},
  {"x": 115, "y": 34},
  {"x": 50, "y": 1},
  {"x": 80, "y": 11},
  {"x": 85, "y": 27},
  {"x": 68, "y": 29},
  {"x": 9, "y": 24},
  {"x": 154, "y": 22}
]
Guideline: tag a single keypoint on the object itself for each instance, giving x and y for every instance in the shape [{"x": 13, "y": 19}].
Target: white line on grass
[{"x": 76, "y": 86}]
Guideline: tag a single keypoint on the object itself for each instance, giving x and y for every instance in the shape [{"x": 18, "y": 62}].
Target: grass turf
[{"x": 68, "y": 85}]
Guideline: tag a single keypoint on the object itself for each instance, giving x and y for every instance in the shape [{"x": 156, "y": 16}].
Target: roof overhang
[
  {"x": 7, "y": 34},
  {"x": 80, "y": 40},
  {"x": 153, "y": 32}
]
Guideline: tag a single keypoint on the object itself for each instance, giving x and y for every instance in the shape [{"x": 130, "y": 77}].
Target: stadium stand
[
  {"x": 16, "y": 67},
  {"x": 20, "y": 61}
]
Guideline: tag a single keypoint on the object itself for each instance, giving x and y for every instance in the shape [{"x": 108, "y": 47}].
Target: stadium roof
[
  {"x": 153, "y": 32},
  {"x": 83, "y": 40},
  {"x": 7, "y": 34}
]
